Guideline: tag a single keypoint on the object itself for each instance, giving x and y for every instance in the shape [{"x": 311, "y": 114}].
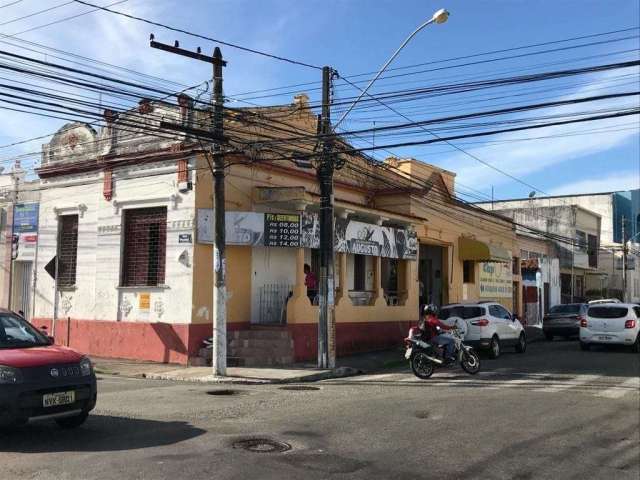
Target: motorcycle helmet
[{"x": 430, "y": 309}]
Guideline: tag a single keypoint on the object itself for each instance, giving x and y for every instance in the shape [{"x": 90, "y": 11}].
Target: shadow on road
[{"x": 101, "y": 433}]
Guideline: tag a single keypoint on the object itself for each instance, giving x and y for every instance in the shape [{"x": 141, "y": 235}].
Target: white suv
[
  {"x": 490, "y": 326},
  {"x": 611, "y": 324}
]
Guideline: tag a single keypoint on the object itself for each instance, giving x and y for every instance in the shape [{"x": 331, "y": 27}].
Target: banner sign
[
  {"x": 361, "y": 238},
  {"x": 294, "y": 230},
  {"x": 495, "y": 280},
  {"x": 25, "y": 218},
  {"x": 281, "y": 230}
]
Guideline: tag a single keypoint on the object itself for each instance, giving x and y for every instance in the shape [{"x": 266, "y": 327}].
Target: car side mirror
[
  {"x": 514, "y": 318},
  {"x": 51, "y": 339}
]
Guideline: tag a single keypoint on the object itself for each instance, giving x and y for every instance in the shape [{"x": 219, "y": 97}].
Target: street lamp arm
[{"x": 439, "y": 17}]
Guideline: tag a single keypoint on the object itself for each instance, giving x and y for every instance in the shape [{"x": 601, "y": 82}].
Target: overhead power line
[{"x": 197, "y": 35}]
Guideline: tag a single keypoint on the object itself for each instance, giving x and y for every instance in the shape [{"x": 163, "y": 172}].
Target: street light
[
  {"x": 439, "y": 17},
  {"x": 326, "y": 325}
]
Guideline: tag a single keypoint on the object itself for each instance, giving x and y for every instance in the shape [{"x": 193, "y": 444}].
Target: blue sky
[{"x": 356, "y": 36}]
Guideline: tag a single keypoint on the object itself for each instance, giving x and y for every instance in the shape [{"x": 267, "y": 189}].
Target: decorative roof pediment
[{"x": 75, "y": 142}]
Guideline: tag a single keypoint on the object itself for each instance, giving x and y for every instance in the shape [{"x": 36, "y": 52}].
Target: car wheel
[
  {"x": 584, "y": 346},
  {"x": 72, "y": 422},
  {"x": 494, "y": 347},
  {"x": 635, "y": 348},
  {"x": 548, "y": 336},
  {"x": 521, "y": 346}
]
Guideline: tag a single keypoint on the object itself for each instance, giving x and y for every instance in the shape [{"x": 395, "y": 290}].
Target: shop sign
[
  {"x": 362, "y": 238},
  {"x": 294, "y": 230},
  {"x": 495, "y": 280},
  {"x": 281, "y": 230},
  {"x": 25, "y": 218}
]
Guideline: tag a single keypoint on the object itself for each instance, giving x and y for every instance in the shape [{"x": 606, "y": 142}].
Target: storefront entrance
[{"x": 430, "y": 274}]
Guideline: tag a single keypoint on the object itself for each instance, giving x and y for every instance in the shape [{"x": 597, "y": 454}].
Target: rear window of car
[
  {"x": 461, "y": 312},
  {"x": 608, "y": 312},
  {"x": 565, "y": 309}
]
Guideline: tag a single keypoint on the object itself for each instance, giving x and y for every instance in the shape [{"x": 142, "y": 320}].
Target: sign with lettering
[
  {"x": 361, "y": 238},
  {"x": 281, "y": 230},
  {"x": 144, "y": 301},
  {"x": 495, "y": 280},
  {"x": 25, "y": 218}
]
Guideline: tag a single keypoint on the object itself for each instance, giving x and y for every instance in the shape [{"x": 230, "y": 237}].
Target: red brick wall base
[
  {"x": 351, "y": 338},
  {"x": 156, "y": 342}
]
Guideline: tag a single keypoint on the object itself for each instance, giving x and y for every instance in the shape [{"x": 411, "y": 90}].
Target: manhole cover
[
  {"x": 223, "y": 392},
  {"x": 300, "y": 388},
  {"x": 262, "y": 445}
]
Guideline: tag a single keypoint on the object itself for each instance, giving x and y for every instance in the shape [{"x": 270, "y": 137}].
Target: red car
[{"x": 40, "y": 380}]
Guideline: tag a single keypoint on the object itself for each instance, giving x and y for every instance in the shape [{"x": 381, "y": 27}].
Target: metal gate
[
  {"x": 273, "y": 303},
  {"x": 21, "y": 288}
]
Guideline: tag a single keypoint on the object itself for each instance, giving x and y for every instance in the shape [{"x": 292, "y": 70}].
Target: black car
[{"x": 564, "y": 320}]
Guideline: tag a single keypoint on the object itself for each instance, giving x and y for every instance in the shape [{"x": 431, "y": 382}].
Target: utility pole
[
  {"x": 219, "y": 358},
  {"x": 325, "y": 169},
  {"x": 624, "y": 261},
  {"x": 216, "y": 135}
]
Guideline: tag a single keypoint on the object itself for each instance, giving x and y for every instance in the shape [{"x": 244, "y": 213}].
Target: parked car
[
  {"x": 611, "y": 324},
  {"x": 564, "y": 320},
  {"x": 40, "y": 380},
  {"x": 490, "y": 326},
  {"x": 604, "y": 300}
]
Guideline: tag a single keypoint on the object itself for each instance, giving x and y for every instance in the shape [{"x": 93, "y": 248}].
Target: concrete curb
[{"x": 339, "y": 372}]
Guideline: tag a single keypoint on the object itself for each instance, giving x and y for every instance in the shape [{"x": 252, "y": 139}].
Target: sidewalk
[{"x": 237, "y": 375}]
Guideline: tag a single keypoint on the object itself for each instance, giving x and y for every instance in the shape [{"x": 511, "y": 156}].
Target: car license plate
[
  {"x": 407, "y": 354},
  {"x": 604, "y": 337},
  {"x": 59, "y": 398}
]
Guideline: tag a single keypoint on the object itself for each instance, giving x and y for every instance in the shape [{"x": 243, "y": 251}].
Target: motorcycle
[{"x": 425, "y": 356}]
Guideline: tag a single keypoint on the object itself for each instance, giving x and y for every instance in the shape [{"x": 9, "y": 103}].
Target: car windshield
[
  {"x": 464, "y": 312},
  {"x": 607, "y": 312},
  {"x": 572, "y": 308},
  {"x": 16, "y": 332}
]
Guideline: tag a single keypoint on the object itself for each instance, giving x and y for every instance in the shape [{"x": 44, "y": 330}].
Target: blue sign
[{"x": 25, "y": 217}]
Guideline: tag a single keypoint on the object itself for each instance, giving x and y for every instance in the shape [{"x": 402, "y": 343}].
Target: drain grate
[
  {"x": 262, "y": 445},
  {"x": 223, "y": 392},
  {"x": 300, "y": 388}
]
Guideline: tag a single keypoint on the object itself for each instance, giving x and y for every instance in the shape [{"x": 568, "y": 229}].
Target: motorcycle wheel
[
  {"x": 470, "y": 362},
  {"x": 422, "y": 367}
]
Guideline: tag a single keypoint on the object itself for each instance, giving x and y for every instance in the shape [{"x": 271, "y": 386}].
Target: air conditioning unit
[{"x": 184, "y": 187}]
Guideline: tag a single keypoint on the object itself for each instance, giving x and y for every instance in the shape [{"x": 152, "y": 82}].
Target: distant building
[
  {"x": 18, "y": 239},
  {"x": 612, "y": 208}
]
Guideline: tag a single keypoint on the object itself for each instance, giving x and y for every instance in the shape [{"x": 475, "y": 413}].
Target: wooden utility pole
[
  {"x": 325, "y": 170},
  {"x": 216, "y": 135}
]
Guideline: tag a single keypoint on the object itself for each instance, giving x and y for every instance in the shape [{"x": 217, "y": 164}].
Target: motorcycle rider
[{"x": 431, "y": 326}]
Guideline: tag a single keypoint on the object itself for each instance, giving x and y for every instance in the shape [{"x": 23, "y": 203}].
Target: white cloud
[
  {"x": 523, "y": 158},
  {"x": 627, "y": 180}
]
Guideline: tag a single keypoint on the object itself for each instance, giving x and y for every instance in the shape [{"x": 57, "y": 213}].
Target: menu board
[{"x": 281, "y": 230}]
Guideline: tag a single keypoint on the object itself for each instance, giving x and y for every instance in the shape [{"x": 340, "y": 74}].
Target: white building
[{"x": 116, "y": 221}]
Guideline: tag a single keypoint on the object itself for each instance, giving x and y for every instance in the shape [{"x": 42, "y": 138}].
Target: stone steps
[{"x": 256, "y": 347}]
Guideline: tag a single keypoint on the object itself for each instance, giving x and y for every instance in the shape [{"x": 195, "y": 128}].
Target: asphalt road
[{"x": 555, "y": 412}]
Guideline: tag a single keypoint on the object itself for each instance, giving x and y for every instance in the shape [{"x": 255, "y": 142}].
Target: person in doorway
[
  {"x": 311, "y": 282},
  {"x": 432, "y": 327}
]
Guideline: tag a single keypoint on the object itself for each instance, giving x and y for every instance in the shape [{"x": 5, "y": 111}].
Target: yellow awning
[{"x": 470, "y": 249}]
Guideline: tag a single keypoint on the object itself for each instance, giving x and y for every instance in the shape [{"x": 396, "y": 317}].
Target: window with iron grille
[
  {"x": 67, "y": 250},
  {"x": 144, "y": 252}
]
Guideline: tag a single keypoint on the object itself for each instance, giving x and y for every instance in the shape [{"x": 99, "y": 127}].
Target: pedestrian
[{"x": 311, "y": 282}]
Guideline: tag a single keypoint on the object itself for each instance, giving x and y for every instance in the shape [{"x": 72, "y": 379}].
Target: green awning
[{"x": 470, "y": 249}]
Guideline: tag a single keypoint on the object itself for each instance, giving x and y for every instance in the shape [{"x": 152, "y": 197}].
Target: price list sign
[{"x": 281, "y": 230}]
